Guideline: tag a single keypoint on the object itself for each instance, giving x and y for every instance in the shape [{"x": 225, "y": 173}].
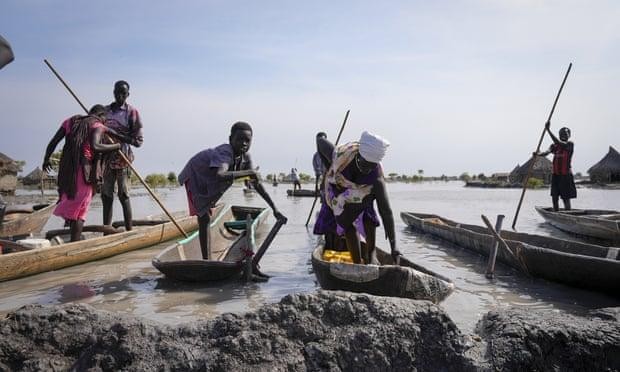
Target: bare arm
[
  {"x": 223, "y": 174},
  {"x": 386, "y": 212},
  {"x": 97, "y": 145},
  {"x": 136, "y": 129},
  {"x": 60, "y": 134}
]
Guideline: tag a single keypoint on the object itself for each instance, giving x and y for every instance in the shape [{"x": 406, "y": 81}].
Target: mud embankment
[{"x": 321, "y": 331}]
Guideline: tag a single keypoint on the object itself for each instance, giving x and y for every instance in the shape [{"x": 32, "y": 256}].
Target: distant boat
[
  {"x": 600, "y": 224},
  {"x": 308, "y": 193}
]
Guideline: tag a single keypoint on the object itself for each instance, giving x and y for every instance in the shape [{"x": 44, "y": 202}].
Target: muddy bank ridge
[{"x": 320, "y": 331}]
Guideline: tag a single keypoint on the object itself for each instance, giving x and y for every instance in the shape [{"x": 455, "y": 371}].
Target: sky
[{"x": 455, "y": 86}]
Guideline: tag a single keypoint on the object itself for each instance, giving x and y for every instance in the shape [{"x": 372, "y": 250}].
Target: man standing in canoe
[
  {"x": 295, "y": 179},
  {"x": 562, "y": 180},
  {"x": 325, "y": 223},
  {"x": 79, "y": 170},
  {"x": 353, "y": 181},
  {"x": 123, "y": 119},
  {"x": 209, "y": 173},
  {"x": 319, "y": 164}
]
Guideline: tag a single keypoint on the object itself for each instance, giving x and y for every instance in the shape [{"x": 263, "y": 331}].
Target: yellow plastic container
[{"x": 336, "y": 256}]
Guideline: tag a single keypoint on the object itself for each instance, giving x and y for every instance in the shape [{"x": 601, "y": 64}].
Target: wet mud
[{"x": 319, "y": 331}]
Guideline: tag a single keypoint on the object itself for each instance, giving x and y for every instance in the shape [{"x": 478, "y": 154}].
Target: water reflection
[{"x": 128, "y": 283}]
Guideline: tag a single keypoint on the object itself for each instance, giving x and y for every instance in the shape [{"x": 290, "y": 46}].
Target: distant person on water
[
  {"x": 124, "y": 120},
  {"x": 209, "y": 173},
  {"x": 295, "y": 179},
  {"x": 562, "y": 180},
  {"x": 79, "y": 170},
  {"x": 353, "y": 181}
]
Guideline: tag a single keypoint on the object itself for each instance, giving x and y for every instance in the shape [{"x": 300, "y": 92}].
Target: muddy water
[{"x": 128, "y": 283}]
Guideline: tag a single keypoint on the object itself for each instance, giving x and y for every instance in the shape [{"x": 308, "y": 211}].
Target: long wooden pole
[
  {"x": 533, "y": 160},
  {"x": 316, "y": 188},
  {"x": 122, "y": 155}
]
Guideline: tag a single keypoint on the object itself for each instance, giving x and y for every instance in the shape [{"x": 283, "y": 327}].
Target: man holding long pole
[{"x": 123, "y": 119}]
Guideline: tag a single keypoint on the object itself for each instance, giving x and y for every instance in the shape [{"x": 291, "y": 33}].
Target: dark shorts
[
  {"x": 563, "y": 186},
  {"x": 118, "y": 177}
]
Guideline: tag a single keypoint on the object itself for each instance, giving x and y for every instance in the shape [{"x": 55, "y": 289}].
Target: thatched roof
[
  {"x": 8, "y": 165},
  {"x": 542, "y": 165},
  {"x": 609, "y": 164},
  {"x": 34, "y": 177}
]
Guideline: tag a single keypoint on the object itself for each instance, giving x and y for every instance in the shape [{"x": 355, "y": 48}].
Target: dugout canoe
[
  {"x": 24, "y": 262},
  {"x": 306, "y": 193},
  {"x": 25, "y": 220},
  {"x": 598, "y": 224},
  {"x": 408, "y": 280},
  {"x": 568, "y": 262},
  {"x": 229, "y": 247}
]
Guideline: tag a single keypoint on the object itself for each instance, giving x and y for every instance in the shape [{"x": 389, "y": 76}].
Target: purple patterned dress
[{"x": 326, "y": 222}]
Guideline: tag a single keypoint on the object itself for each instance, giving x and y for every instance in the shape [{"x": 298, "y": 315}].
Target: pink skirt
[{"x": 76, "y": 208}]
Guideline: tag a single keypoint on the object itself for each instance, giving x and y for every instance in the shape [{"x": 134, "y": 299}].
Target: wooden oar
[
  {"x": 146, "y": 186},
  {"x": 263, "y": 248},
  {"x": 533, "y": 160},
  {"x": 316, "y": 188}
]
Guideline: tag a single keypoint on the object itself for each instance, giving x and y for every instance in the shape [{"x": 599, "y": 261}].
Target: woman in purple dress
[{"x": 354, "y": 180}]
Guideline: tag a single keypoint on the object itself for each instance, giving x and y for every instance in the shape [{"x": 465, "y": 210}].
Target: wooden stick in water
[{"x": 493, "y": 254}]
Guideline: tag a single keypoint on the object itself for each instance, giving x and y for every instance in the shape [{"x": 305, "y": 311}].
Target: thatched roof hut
[
  {"x": 607, "y": 169},
  {"x": 542, "y": 170},
  {"x": 8, "y": 174},
  {"x": 34, "y": 178}
]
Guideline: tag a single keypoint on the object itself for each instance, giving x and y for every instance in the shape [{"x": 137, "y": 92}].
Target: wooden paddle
[
  {"x": 146, "y": 186},
  {"x": 263, "y": 248},
  {"x": 533, "y": 160},
  {"x": 316, "y": 184}
]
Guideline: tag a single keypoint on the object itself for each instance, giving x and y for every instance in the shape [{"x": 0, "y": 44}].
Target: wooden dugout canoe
[
  {"x": 29, "y": 262},
  {"x": 229, "y": 243},
  {"x": 599, "y": 224},
  {"x": 25, "y": 221},
  {"x": 572, "y": 263},
  {"x": 308, "y": 193},
  {"x": 385, "y": 279}
]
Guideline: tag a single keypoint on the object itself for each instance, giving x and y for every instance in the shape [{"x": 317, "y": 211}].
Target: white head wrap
[{"x": 373, "y": 147}]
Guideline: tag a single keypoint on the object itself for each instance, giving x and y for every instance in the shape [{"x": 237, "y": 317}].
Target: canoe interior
[
  {"x": 564, "y": 261},
  {"x": 183, "y": 260},
  {"x": 512, "y": 237},
  {"x": 383, "y": 278}
]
